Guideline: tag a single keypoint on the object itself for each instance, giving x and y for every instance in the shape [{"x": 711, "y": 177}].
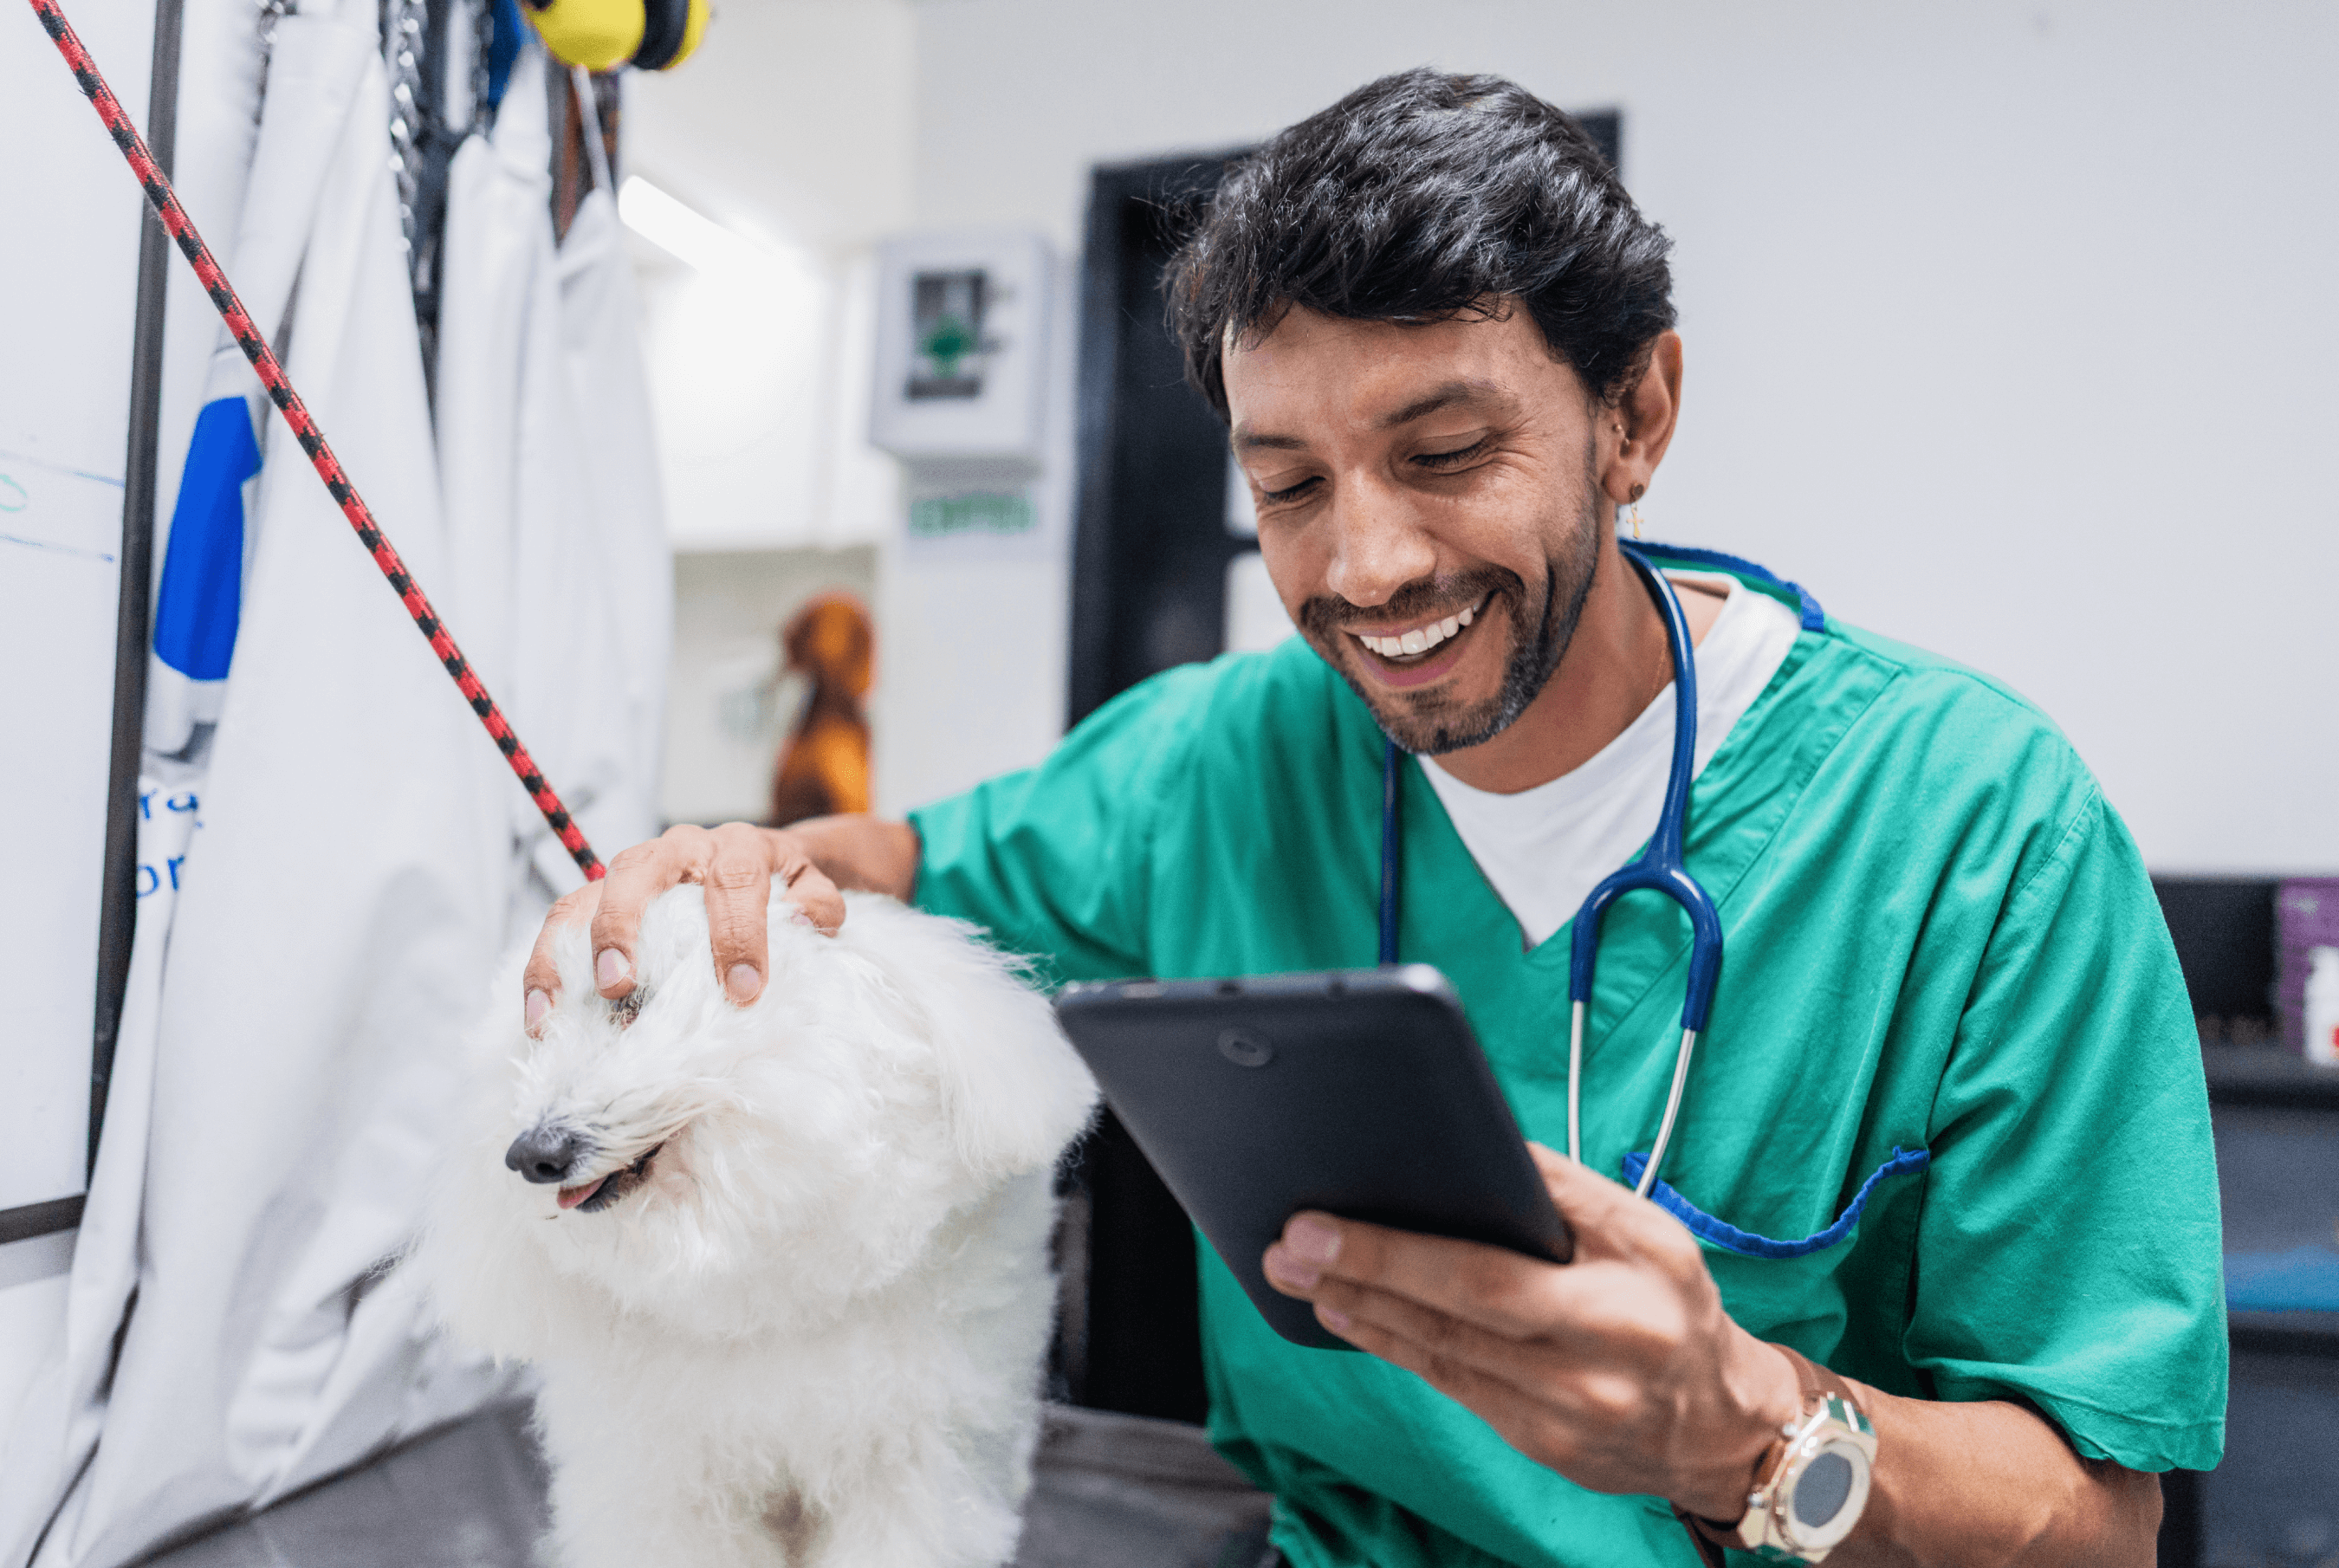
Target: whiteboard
[{"x": 63, "y": 418}]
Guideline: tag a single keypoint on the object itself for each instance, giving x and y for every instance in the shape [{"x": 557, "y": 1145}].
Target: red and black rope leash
[{"x": 255, "y": 348}]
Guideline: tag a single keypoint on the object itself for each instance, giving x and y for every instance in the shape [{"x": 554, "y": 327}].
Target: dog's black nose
[{"x": 548, "y": 1153}]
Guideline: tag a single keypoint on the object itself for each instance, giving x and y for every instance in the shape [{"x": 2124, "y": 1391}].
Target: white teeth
[{"x": 1421, "y": 639}]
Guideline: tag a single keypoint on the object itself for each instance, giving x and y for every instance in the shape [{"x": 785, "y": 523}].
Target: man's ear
[{"x": 1630, "y": 439}]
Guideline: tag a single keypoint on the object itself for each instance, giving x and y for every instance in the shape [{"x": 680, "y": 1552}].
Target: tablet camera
[{"x": 1244, "y": 1050}]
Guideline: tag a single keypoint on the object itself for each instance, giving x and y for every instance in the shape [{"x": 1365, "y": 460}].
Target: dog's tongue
[{"x": 570, "y": 1196}]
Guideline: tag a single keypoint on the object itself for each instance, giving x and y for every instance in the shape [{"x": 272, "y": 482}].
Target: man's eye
[
  {"x": 1455, "y": 458},
  {"x": 1276, "y": 498}
]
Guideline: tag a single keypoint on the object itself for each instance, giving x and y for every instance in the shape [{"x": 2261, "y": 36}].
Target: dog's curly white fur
[{"x": 788, "y": 1291}]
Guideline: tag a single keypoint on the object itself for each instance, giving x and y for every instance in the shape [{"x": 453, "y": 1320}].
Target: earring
[{"x": 1633, "y": 516}]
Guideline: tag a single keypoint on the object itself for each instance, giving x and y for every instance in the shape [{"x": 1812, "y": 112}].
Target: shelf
[
  {"x": 2315, "y": 1334},
  {"x": 2262, "y": 1076}
]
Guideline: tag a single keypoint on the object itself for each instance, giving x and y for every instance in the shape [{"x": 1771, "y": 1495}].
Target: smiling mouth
[
  {"x": 1419, "y": 643},
  {"x": 605, "y": 1191}
]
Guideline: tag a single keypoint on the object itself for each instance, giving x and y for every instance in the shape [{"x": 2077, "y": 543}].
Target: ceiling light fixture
[{"x": 691, "y": 237}]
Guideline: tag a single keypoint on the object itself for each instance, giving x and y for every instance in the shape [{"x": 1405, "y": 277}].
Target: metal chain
[
  {"x": 401, "y": 52},
  {"x": 271, "y": 12},
  {"x": 483, "y": 45}
]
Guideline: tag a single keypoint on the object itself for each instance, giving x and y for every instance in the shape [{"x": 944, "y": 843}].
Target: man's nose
[
  {"x": 1379, "y": 545},
  {"x": 549, "y": 1151}
]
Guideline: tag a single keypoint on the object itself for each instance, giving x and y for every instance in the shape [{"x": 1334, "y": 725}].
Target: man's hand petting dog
[
  {"x": 736, "y": 863},
  {"x": 1619, "y": 1370}
]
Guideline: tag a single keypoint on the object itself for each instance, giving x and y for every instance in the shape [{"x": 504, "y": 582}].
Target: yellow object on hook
[{"x": 603, "y": 34}]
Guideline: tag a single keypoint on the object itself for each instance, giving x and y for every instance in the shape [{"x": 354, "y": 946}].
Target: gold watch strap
[{"x": 1815, "y": 1383}]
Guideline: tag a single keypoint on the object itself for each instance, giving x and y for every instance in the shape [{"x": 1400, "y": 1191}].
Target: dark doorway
[
  {"x": 1149, "y": 560},
  {"x": 1149, "y": 557}
]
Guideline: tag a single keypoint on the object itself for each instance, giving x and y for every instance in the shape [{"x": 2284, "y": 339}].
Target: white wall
[
  {"x": 2009, "y": 325},
  {"x": 790, "y": 126}
]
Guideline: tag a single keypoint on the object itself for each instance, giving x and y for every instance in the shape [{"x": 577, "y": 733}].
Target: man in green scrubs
[{"x": 1946, "y": 1135}]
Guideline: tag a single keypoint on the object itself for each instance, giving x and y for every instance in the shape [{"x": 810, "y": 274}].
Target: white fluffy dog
[{"x": 783, "y": 1268}]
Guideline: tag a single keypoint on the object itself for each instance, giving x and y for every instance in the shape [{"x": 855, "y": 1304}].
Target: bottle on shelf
[{"x": 2323, "y": 1006}]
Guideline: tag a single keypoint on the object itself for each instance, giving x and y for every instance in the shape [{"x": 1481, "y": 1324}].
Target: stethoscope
[{"x": 1659, "y": 867}]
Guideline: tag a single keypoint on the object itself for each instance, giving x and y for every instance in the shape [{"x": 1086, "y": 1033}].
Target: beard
[{"x": 1540, "y": 620}]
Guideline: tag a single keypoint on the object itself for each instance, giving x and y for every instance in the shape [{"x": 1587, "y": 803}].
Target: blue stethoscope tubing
[{"x": 1660, "y": 868}]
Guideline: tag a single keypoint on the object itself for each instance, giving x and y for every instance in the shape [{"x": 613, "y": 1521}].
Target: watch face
[{"x": 1828, "y": 1494}]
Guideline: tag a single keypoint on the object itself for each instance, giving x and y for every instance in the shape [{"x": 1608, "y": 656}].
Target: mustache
[{"x": 1421, "y": 599}]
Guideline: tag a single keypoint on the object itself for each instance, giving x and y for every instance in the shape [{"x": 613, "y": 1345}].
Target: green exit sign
[{"x": 975, "y": 512}]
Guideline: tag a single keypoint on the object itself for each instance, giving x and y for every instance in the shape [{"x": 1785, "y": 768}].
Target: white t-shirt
[{"x": 1545, "y": 849}]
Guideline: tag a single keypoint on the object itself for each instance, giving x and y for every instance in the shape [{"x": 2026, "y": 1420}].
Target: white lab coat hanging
[
  {"x": 525, "y": 509},
  {"x": 334, "y": 931},
  {"x": 600, "y": 322}
]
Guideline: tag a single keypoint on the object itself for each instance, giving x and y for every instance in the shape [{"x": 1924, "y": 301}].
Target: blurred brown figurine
[{"x": 824, "y": 767}]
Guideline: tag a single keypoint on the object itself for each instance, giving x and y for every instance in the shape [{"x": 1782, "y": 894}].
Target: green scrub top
[{"x": 1946, "y": 1132}]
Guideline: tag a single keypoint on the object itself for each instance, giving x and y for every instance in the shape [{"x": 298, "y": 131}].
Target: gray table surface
[{"x": 1108, "y": 1489}]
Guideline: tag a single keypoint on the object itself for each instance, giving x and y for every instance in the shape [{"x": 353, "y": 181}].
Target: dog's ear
[
  {"x": 1015, "y": 1092},
  {"x": 1016, "y": 1100}
]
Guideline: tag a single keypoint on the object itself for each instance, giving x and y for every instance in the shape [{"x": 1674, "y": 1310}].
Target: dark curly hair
[{"x": 1424, "y": 196}]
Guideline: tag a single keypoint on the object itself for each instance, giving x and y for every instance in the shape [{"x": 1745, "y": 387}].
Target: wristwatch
[{"x": 1809, "y": 1485}]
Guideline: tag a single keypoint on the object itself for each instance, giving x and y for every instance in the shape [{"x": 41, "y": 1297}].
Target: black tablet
[{"x": 1359, "y": 1092}]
